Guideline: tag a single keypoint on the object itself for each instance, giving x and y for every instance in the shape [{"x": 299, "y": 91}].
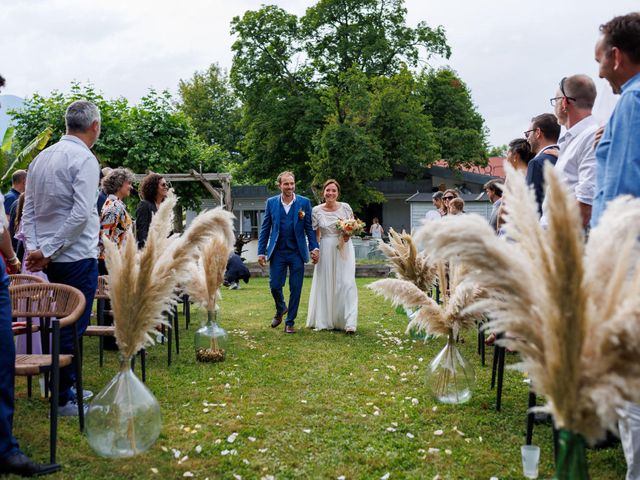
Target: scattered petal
[
  {"x": 303, "y": 401},
  {"x": 391, "y": 429},
  {"x": 448, "y": 452},
  {"x": 434, "y": 409},
  {"x": 259, "y": 414},
  {"x": 376, "y": 413},
  {"x": 187, "y": 474},
  {"x": 232, "y": 438},
  {"x": 410, "y": 435},
  {"x": 438, "y": 432},
  {"x": 164, "y": 449},
  {"x": 237, "y": 477},
  {"x": 154, "y": 470},
  {"x": 252, "y": 439},
  {"x": 224, "y": 453},
  {"x": 306, "y": 430},
  {"x": 218, "y": 441},
  {"x": 262, "y": 450},
  {"x": 415, "y": 401},
  {"x": 245, "y": 461},
  {"x": 198, "y": 449},
  {"x": 385, "y": 476},
  {"x": 433, "y": 450},
  {"x": 205, "y": 410},
  {"x": 480, "y": 439},
  {"x": 341, "y": 477}
]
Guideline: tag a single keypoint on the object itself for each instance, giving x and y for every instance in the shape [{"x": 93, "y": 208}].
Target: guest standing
[
  {"x": 61, "y": 223},
  {"x": 542, "y": 136},
  {"x": 153, "y": 190},
  {"x": 376, "y": 229}
]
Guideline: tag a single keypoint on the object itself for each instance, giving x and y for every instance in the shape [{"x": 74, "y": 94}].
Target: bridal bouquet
[{"x": 349, "y": 227}]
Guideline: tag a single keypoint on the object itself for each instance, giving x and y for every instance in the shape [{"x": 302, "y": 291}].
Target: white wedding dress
[{"x": 333, "y": 303}]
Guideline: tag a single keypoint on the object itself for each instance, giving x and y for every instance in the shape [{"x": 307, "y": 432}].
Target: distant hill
[{"x": 7, "y": 102}]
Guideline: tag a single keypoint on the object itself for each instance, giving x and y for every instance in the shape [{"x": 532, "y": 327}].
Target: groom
[{"x": 286, "y": 223}]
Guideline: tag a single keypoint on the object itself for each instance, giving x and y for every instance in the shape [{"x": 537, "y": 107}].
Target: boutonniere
[{"x": 301, "y": 214}]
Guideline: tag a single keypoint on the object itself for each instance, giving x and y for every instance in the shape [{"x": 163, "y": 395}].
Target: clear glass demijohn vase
[
  {"x": 449, "y": 376},
  {"x": 211, "y": 340},
  {"x": 124, "y": 419}
]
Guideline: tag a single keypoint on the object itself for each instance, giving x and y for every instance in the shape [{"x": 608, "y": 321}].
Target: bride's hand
[{"x": 345, "y": 237}]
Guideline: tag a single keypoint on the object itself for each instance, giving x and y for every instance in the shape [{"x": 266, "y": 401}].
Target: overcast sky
[{"x": 511, "y": 54}]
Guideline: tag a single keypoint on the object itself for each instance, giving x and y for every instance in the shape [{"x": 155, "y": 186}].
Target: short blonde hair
[
  {"x": 286, "y": 173},
  {"x": 457, "y": 203}
]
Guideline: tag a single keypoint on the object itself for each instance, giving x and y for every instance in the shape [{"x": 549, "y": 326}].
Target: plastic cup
[{"x": 530, "y": 460}]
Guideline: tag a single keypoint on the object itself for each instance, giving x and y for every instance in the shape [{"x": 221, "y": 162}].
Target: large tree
[
  {"x": 339, "y": 73},
  {"x": 150, "y": 136}
]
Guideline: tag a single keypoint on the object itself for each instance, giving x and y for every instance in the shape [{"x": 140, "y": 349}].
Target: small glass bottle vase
[
  {"x": 450, "y": 377},
  {"x": 211, "y": 340},
  {"x": 124, "y": 419}
]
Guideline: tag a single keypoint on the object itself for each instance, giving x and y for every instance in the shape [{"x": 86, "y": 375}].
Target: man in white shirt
[
  {"x": 61, "y": 223},
  {"x": 576, "y": 163}
]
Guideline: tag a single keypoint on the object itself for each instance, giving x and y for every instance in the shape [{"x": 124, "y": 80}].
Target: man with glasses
[
  {"x": 618, "y": 161},
  {"x": 576, "y": 163},
  {"x": 542, "y": 136}
]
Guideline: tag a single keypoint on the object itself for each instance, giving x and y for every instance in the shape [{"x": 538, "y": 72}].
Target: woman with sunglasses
[
  {"x": 153, "y": 190},
  {"x": 448, "y": 195}
]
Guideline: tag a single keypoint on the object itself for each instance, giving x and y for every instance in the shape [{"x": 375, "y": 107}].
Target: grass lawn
[{"x": 304, "y": 406}]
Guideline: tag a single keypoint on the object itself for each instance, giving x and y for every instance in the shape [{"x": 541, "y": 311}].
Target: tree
[
  {"x": 371, "y": 35},
  {"x": 497, "y": 151},
  {"x": 151, "y": 136},
  {"x": 213, "y": 107},
  {"x": 461, "y": 132},
  {"x": 296, "y": 78}
]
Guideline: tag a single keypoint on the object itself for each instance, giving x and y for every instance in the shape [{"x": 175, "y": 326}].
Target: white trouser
[{"x": 630, "y": 437}]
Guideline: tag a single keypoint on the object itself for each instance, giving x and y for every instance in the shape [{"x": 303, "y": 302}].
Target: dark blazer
[
  {"x": 144, "y": 213},
  {"x": 270, "y": 228},
  {"x": 535, "y": 175}
]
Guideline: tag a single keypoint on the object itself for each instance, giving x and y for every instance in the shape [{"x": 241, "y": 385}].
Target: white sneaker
[{"x": 234, "y": 286}]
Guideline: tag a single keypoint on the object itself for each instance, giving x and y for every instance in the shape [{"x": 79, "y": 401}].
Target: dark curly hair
[
  {"x": 149, "y": 187},
  {"x": 623, "y": 32},
  {"x": 114, "y": 181}
]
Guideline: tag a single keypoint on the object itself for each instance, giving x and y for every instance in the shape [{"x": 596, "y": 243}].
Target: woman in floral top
[{"x": 115, "y": 222}]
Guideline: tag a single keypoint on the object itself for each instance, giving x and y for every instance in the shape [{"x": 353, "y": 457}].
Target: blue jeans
[
  {"x": 8, "y": 444},
  {"x": 82, "y": 275}
]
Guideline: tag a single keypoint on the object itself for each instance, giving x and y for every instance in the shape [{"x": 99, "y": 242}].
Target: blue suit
[{"x": 283, "y": 240}]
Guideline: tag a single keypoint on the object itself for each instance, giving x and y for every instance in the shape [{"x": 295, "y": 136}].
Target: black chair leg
[
  {"x": 55, "y": 392},
  {"x": 501, "y": 355},
  {"x": 530, "y": 417},
  {"x": 143, "y": 364},
  {"x": 187, "y": 309},
  {"x": 169, "y": 347},
  {"x": 494, "y": 366},
  {"x": 77, "y": 360},
  {"x": 176, "y": 329}
]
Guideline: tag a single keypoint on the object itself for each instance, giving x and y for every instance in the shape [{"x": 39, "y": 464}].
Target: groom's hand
[
  {"x": 315, "y": 256},
  {"x": 262, "y": 260}
]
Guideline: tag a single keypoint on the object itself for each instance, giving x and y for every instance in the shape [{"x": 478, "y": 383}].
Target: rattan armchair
[{"x": 61, "y": 306}]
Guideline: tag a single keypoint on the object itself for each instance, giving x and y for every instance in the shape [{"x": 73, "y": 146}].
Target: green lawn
[{"x": 304, "y": 406}]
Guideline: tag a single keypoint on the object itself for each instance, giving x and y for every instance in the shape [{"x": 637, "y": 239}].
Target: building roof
[
  {"x": 467, "y": 176},
  {"x": 494, "y": 168}
]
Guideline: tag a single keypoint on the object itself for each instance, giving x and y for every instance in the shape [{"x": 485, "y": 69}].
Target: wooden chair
[
  {"x": 18, "y": 328},
  {"x": 61, "y": 306},
  {"x": 101, "y": 330}
]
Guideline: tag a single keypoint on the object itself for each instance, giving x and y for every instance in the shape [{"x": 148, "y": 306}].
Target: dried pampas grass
[
  {"x": 406, "y": 262},
  {"x": 572, "y": 312},
  {"x": 451, "y": 317},
  {"x": 142, "y": 283},
  {"x": 207, "y": 275}
]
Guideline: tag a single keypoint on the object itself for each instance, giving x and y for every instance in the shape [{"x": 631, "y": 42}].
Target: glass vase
[
  {"x": 211, "y": 340},
  {"x": 450, "y": 377},
  {"x": 571, "y": 459},
  {"x": 413, "y": 332},
  {"x": 124, "y": 419}
]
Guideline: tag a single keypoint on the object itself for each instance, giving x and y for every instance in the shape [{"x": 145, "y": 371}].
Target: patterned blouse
[{"x": 115, "y": 223}]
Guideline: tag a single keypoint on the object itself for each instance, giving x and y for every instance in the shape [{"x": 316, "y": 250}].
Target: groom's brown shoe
[
  {"x": 277, "y": 318},
  {"x": 289, "y": 329}
]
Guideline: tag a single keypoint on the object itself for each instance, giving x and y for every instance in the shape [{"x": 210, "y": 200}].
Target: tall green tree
[
  {"x": 460, "y": 128},
  {"x": 209, "y": 101}
]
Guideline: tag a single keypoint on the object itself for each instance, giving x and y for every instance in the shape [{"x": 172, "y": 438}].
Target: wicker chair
[
  {"x": 18, "y": 327},
  {"x": 61, "y": 306}
]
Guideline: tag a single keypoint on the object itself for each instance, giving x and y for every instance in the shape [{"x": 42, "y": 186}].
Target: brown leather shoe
[
  {"x": 277, "y": 318},
  {"x": 289, "y": 329}
]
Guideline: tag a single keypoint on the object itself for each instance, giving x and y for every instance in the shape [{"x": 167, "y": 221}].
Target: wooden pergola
[{"x": 221, "y": 191}]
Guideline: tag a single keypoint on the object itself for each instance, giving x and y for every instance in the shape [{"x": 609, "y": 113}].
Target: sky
[{"x": 511, "y": 54}]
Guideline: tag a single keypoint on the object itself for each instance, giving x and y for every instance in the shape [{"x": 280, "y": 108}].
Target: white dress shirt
[
  {"x": 287, "y": 206},
  {"x": 576, "y": 163},
  {"x": 60, "y": 216}
]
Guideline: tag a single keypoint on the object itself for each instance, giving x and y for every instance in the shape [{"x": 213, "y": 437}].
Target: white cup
[{"x": 530, "y": 460}]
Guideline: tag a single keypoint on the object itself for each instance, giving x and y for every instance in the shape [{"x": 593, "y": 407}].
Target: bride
[{"x": 333, "y": 304}]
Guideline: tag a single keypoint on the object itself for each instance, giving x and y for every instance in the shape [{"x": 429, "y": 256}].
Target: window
[{"x": 250, "y": 221}]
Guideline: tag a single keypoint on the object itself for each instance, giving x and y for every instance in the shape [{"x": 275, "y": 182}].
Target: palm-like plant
[{"x": 24, "y": 157}]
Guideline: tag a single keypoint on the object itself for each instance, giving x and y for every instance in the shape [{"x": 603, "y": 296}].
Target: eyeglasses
[
  {"x": 448, "y": 198},
  {"x": 564, "y": 94},
  {"x": 526, "y": 134},
  {"x": 165, "y": 184}
]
